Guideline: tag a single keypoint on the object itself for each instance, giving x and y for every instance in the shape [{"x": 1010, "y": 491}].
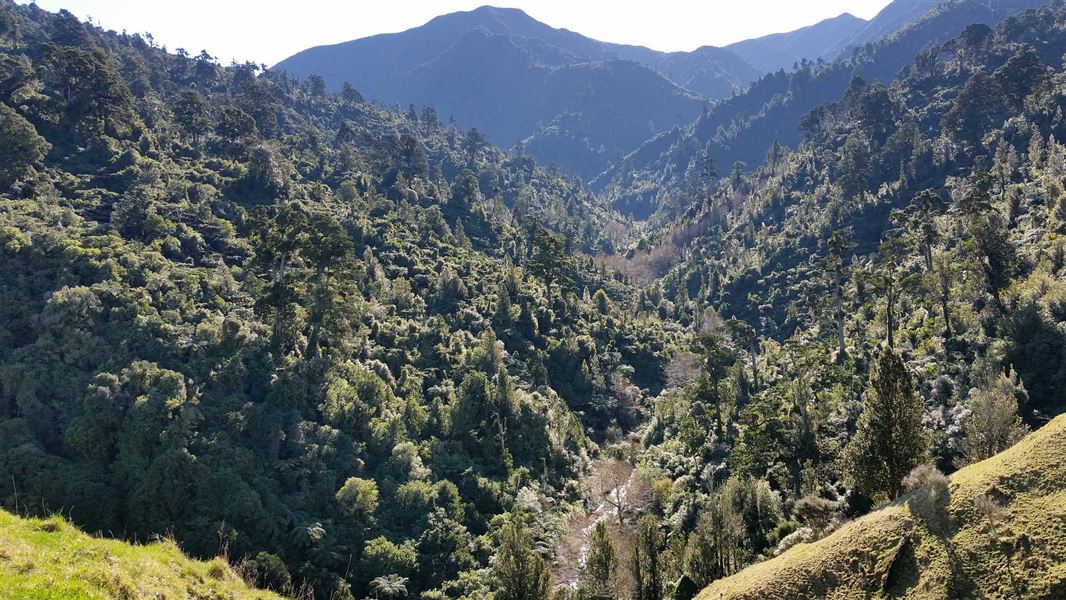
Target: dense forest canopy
[{"x": 362, "y": 352}]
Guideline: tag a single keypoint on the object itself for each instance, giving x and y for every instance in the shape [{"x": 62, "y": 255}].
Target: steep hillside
[
  {"x": 741, "y": 129},
  {"x": 917, "y": 232},
  {"x": 499, "y": 70},
  {"x": 783, "y": 50},
  {"x": 366, "y": 353},
  {"x": 709, "y": 71},
  {"x": 936, "y": 544},
  {"x": 487, "y": 78},
  {"x": 887, "y": 21},
  {"x": 44, "y": 559},
  {"x": 338, "y": 338}
]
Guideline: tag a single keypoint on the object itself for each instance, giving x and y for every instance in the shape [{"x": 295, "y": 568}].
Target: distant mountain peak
[
  {"x": 512, "y": 76},
  {"x": 782, "y": 50}
]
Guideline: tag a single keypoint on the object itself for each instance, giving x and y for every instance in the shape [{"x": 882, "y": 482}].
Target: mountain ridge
[
  {"x": 742, "y": 129},
  {"x": 781, "y": 50},
  {"x": 494, "y": 68}
]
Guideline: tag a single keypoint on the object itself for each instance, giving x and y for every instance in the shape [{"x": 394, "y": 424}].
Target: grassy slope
[
  {"x": 913, "y": 549},
  {"x": 50, "y": 559}
]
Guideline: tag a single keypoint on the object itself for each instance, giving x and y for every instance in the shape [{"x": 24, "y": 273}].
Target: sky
[{"x": 267, "y": 31}]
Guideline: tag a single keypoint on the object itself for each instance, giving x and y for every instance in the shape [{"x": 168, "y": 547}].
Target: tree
[
  {"x": 1020, "y": 75},
  {"x": 86, "y": 92},
  {"x": 550, "y": 263},
  {"x": 886, "y": 279},
  {"x": 278, "y": 236},
  {"x": 601, "y": 302},
  {"x": 717, "y": 358},
  {"x": 472, "y": 414},
  {"x": 350, "y": 94},
  {"x": 601, "y": 564},
  {"x": 192, "y": 114},
  {"x": 316, "y": 85},
  {"x": 20, "y": 146},
  {"x": 716, "y": 547},
  {"x": 758, "y": 506},
  {"x": 645, "y": 561},
  {"x": 744, "y": 336},
  {"x": 330, "y": 256},
  {"x": 816, "y": 512},
  {"x": 890, "y": 439},
  {"x": 992, "y": 424},
  {"x": 358, "y": 497},
  {"x": 875, "y": 112},
  {"x": 996, "y": 253},
  {"x": 444, "y": 548},
  {"x": 233, "y": 125},
  {"x": 918, "y": 225},
  {"x": 974, "y": 110},
  {"x": 465, "y": 194},
  {"x": 518, "y": 573},
  {"x": 382, "y": 556},
  {"x": 269, "y": 572},
  {"x": 389, "y": 586},
  {"x": 854, "y": 168},
  {"x": 835, "y": 266}
]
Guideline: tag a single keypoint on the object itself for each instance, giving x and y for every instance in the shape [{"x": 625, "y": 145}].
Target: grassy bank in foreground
[
  {"x": 51, "y": 559},
  {"x": 1009, "y": 544}
]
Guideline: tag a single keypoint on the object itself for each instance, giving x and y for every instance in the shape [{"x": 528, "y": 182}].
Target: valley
[{"x": 491, "y": 310}]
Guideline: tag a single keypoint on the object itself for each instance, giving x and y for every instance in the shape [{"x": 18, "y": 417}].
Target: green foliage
[
  {"x": 518, "y": 573},
  {"x": 245, "y": 311},
  {"x": 349, "y": 343},
  {"x": 890, "y": 438},
  {"x": 20, "y": 146},
  {"x": 716, "y": 546},
  {"x": 645, "y": 566},
  {"x": 358, "y": 497},
  {"x": 601, "y": 564},
  {"x": 993, "y": 424}
]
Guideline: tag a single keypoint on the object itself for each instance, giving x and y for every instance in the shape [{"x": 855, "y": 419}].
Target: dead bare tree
[{"x": 609, "y": 483}]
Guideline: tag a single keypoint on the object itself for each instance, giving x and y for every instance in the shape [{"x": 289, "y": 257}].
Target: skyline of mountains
[
  {"x": 570, "y": 100},
  {"x": 597, "y": 109},
  {"x": 742, "y": 129}
]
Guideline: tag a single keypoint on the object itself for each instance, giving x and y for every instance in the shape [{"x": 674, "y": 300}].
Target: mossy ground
[
  {"x": 917, "y": 547},
  {"x": 46, "y": 559}
]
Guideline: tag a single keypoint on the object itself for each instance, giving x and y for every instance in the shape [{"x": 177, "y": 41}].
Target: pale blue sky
[{"x": 267, "y": 31}]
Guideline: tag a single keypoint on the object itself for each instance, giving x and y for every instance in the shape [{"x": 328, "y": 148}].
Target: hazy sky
[{"x": 266, "y": 31}]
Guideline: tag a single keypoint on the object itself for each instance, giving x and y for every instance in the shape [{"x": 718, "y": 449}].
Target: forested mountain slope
[
  {"x": 742, "y": 128},
  {"x": 365, "y": 353},
  {"x": 887, "y": 21},
  {"x": 515, "y": 78},
  {"x": 341, "y": 341},
  {"x": 882, "y": 302}
]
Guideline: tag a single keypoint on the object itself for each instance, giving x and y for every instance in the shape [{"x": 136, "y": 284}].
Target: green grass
[
  {"x": 48, "y": 559},
  {"x": 913, "y": 549}
]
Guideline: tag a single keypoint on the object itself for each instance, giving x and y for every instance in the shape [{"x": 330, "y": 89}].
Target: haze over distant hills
[
  {"x": 517, "y": 79},
  {"x": 783, "y": 50},
  {"x": 572, "y": 101}
]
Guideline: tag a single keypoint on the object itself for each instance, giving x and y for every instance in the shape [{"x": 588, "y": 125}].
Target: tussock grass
[
  {"x": 922, "y": 547},
  {"x": 48, "y": 559}
]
